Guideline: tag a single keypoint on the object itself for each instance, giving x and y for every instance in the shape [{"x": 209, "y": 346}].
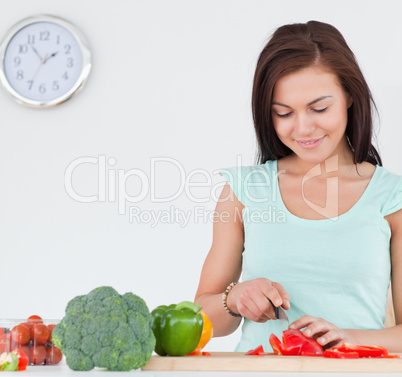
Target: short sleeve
[
  {"x": 235, "y": 177},
  {"x": 395, "y": 202},
  {"x": 250, "y": 184}
]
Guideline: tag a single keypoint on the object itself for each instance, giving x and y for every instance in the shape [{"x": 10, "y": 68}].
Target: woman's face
[{"x": 309, "y": 112}]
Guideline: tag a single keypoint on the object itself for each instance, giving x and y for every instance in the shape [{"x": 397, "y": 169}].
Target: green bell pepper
[{"x": 177, "y": 328}]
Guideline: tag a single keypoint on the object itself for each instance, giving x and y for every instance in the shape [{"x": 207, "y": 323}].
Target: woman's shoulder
[
  {"x": 242, "y": 179},
  {"x": 389, "y": 186},
  {"x": 246, "y": 174},
  {"x": 388, "y": 177}
]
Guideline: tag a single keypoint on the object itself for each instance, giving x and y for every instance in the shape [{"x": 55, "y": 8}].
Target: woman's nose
[{"x": 304, "y": 125}]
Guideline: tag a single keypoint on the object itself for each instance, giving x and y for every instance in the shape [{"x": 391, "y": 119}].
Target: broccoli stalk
[{"x": 107, "y": 330}]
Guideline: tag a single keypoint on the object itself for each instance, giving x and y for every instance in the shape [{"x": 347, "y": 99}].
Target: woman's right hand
[{"x": 250, "y": 299}]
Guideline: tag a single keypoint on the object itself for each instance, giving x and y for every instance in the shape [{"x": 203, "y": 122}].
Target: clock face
[{"x": 44, "y": 61}]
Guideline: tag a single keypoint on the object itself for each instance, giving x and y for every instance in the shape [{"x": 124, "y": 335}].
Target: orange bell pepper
[{"x": 206, "y": 335}]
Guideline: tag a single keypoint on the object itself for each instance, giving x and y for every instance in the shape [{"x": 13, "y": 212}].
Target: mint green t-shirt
[{"x": 337, "y": 269}]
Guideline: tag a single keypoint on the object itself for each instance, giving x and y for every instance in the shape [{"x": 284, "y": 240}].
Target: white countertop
[{"x": 64, "y": 370}]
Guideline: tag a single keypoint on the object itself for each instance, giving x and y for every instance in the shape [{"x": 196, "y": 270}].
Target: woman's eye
[
  {"x": 283, "y": 115},
  {"x": 320, "y": 110}
]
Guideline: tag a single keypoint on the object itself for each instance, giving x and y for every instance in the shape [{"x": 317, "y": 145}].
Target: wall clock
[{"x": 44, "y": 61}]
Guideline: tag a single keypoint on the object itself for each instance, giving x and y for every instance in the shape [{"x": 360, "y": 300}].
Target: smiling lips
[{"x": 311, "y": 143}]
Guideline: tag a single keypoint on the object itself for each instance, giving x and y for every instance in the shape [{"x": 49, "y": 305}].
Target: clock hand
[
  {"x": 39, "y": 67},
  {"x": 50, "y": 56},
  {"x": 36, "y": 52}
]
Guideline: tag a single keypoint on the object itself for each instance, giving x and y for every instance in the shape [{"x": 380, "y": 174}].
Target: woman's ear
[{"x": 350, "y": 100}]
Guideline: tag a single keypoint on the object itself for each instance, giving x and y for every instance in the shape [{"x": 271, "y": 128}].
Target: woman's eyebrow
[
  {"x": 281, "y": 104},
  {"x": 309, "y": 104},
  {"x": 318, "y": 99}
]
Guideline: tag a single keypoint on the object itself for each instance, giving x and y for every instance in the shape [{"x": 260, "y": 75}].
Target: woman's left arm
[{"x": 328, "y": 335}]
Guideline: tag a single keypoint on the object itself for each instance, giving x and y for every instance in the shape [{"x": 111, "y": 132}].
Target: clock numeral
[
  {"x": 17, "y": 61},
  {"x": 20, "y": 75},
  {"x": 44, "y": 35},
  {"x": 65, "y": 76},
  {"x": 42, "y": 88},
  {"x": 31, "y": 39},
  {"x": 55, "y": 85},
  {"x": 70, "y": 62},
  {"x": 67, "y": 49},
  {"x": 23, "y": 49},
  {"x": 30, "y": 83}
]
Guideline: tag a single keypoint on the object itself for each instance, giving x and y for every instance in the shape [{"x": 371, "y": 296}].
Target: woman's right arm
[{"x": 223, "y": 266}]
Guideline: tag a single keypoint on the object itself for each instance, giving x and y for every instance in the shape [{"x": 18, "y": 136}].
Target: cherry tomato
[
  {"x": 35, "y": 319},
  {"x": 40, "y": 334},
  {"x": 22, "y": 353},
  {"x": 24, "y": 349},
  {"x": 2, "y": 330},
  {"x": 50, "y": 327},
  {"x": 30, "y": 325},
  {"x": 5, "y": 343},
  {"x": 20, "y": 334},
  {"x": 53, "y": 356},
  {"x": 38, "y": 355}
]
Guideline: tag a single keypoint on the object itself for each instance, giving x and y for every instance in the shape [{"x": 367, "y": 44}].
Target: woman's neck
[{"x": 341, "y": 161}]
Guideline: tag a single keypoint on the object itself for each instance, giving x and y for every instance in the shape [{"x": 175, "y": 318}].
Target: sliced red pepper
[
  {"x": 276, "y": 344},
  {"x": 335, "y": 353},
  {"x": 296, "y": 343},
  {"x": 199, "y": 353},
  {"x": 256, "y": 351},
  {"x": 313, "y": 354},
  {"x": 364, "y": 351},
  {"x": 292, "y": 342},
  {"x": 392, "y": 356}
]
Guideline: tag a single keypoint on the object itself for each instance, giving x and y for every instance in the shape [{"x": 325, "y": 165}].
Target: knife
[{"x": 281, "y": 316}]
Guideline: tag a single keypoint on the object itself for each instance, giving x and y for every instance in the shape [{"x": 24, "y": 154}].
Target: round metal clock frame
[{"x": 80, "y": 77}]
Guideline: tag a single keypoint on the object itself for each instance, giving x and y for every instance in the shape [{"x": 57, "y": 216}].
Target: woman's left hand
[{"x": 326, "y": 333}]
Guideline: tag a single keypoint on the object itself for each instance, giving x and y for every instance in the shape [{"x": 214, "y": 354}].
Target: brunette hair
[{"x": 296, "y": 46}]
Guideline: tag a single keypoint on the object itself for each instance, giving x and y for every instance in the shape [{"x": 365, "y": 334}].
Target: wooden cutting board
[{"x": 238, "y": 361}]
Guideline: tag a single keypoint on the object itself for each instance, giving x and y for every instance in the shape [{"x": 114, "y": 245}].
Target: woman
[{"x": 316, "y": 227}]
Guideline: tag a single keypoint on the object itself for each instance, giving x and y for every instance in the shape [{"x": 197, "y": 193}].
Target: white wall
[{"x": 170, "y": 79}]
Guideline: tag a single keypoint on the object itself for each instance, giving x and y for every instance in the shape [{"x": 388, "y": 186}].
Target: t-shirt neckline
[{"x": 347, "y": 213}]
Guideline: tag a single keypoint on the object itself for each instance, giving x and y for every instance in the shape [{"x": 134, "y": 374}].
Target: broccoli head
[{"x": 107, "y": 330}]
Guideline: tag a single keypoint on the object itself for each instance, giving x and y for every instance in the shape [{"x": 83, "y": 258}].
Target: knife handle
[{"x": 275, "y": 309}]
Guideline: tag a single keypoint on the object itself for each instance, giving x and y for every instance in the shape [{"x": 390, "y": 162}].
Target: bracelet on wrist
[{"x": 224, "y": 300}]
